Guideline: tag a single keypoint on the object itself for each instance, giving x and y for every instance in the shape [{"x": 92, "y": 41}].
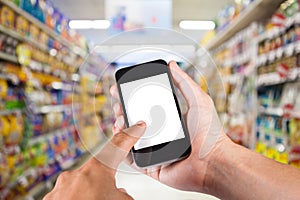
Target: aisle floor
[{"x": 142, "y": 187}]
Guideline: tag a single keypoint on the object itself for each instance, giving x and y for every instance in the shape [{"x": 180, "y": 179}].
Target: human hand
[
  {"x": 96, "y": 178},
  {"x": 205, "y": 132}
]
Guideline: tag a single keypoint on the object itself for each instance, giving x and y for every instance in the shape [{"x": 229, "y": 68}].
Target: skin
[
  {"x": 95, "y": 180},
  {"x": 216, "y": 165}
]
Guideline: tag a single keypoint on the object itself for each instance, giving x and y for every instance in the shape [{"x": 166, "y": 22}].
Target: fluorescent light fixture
[
  {"x": 89, "y": 24},
  {"x": 197, "y": 25},
  {"x": 101, "y": 24}
]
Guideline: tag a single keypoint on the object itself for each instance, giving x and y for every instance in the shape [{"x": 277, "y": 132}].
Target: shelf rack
[
  {"x": 11, "y": 112},
  {"x": 8, "y": 57},
  {"x": 77, "y": 50},
  {"x": 42, "y": 188},
  {"x": 258, "y": 10}
]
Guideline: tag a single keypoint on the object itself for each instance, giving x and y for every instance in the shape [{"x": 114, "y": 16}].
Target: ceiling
[{"x": 181, "y": 10}]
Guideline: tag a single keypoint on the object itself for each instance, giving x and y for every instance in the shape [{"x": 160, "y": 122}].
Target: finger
[
  {"x": 117, "y": 149},
  {"x": 190, "y": 90},
  {"x": 114, "y": 91},
  {"x": 117, "y": 109},
  {"x": 115, "y": 130},
  {"x": 119, "y": 123}
]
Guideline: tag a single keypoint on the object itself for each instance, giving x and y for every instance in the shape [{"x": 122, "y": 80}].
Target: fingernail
[
  {"x": 120, "y": 122},
  {"x": 116, "y": 108},
  {"x": 141, "y": 123}
]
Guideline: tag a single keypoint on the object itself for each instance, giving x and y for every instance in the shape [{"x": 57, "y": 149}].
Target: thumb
[
  {"x": 116, "y": 150},
  {"x": 186, "y": 85}
]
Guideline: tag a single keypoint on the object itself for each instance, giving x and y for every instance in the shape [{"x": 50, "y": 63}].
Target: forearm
[{"x": 235, "y": 172}]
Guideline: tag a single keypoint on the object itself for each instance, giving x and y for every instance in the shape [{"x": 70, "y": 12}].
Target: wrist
[{"x": 215, "y": 161}]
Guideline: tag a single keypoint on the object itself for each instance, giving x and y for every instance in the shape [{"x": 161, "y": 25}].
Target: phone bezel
[{"x": 161, "y": 153}]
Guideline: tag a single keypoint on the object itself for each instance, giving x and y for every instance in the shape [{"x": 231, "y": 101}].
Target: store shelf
[
  {"x": 52, "y": 33},
  {"x": 275, "y": 79},
  {"x": 26, "y": 39},
  {"x": 295, "y": 114},
  {"x": 38, "y": 191},
  {"x": 62, "y": 86},
  {"x": 275, "y": 32},
  {"x": 278, "y": 53},
  {"x": 44, "y": 136},
  {"x": 232, "y": 79},
  {"x": 22, "y": 38},
  {"x": 8, "y": 57},
  {"x": 53, "y": 108},
  {"x": 259, "y": 9},
  {"x": 10, "y": 112},
  {"x": 35, "y": 191},
  {"x": 271, "y": 111},
  {"x": 280, "y": 112}
]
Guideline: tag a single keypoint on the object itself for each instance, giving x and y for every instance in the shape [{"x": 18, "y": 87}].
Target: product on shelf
[
  {"x": 230, "y": 12},
  {"x": 294, "y": 127},
  {"x": 236, "y": 64},
  {"x": 38, "y": 98},
  {"x": 22, "y": 25},
  {"x": 7, "y": 17}
]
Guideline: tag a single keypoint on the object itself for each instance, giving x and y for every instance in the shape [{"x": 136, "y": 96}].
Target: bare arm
[
  {"x": 216, "y": 165},
  {"x": 235, "y": 172}
]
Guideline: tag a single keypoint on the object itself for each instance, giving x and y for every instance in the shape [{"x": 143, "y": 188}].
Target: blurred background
[{"x": 57, "y": 63}]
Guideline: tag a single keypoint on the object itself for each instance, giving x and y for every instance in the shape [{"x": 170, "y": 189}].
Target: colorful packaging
[
  {"x": 44, "y": 38},
  {"x": 7, "y": 17},
  {"x": 34, "y": 32},
  {"x": 22, "y": 26},
  {"x": 3, "y": 88}
]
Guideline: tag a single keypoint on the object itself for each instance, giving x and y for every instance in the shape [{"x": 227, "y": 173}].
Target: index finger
[{"x": 117, "y": 149}]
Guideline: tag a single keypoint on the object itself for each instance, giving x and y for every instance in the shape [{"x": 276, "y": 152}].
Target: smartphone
[{"x": 147, "y": 93}]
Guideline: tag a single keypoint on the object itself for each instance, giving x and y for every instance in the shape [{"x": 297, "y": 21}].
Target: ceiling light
[
  {"x": 101, "y": 24},
  {"x": 89, "y": 24},
  {"x": 197, "y": 25}
]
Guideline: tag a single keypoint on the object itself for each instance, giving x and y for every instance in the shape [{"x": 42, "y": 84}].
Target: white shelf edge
[
  {"x": 10, "y": 112},
  {"x": 245, "y": 18},
  {"x": 264, "y": 80},
  {"x": 271, "y": 111},
  {"x": 8, "y": 57},
  {"x": 47, "y": 135},
  {"x": 52, "y": 108},
  {"x": 42, "y": 26},
  {"x": 37, "y": 190},
  {"x": 22, "y": 38}
]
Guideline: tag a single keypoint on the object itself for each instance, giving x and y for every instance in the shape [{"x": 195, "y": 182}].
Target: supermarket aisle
[
  {"x": 142, "y": 187},
  {"x": 52, "y": 103}
]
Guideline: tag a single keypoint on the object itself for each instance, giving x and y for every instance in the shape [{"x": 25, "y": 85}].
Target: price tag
[
  {"x": 47, "y": 69},
  {"x": 293, "y": 74},
  {"x": 289, "y": 50},
  {"x": 288, "y": 21},
  {"x": 279, "y": 52},
  {"x": 263, "y": 59},
  {"x": 297, "y": 18},
  {"x": 297, "y": 47},
  {"x": 269, "y": 34},
  {"x": 283, "y": 70},
  {"x": 14, "y": 79},
  {"x": 63, "y": 75},
  {"x": 226, "y": 62},
  {"x": 271, "y": 56}
]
